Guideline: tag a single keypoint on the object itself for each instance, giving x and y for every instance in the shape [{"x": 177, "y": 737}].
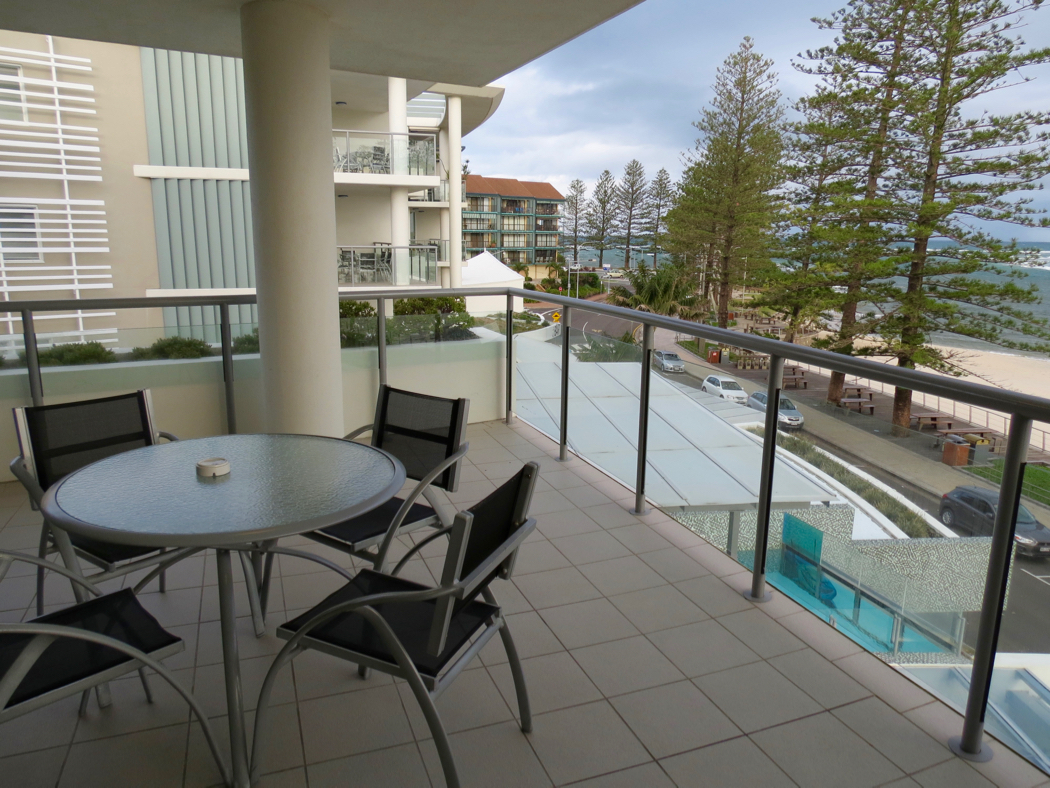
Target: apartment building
[
  {"x": 516, "y": 221},
  {"x": 124, "y": 173}
]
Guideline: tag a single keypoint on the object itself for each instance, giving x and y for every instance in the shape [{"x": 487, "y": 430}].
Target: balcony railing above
[
  {"x": 383, "y": 264},
  {"x": 439, "y": 193},
  {"x": 384, "y": 153}
]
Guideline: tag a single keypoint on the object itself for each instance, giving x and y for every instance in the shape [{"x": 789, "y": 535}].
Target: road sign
[{"x": 556, "y": 317}]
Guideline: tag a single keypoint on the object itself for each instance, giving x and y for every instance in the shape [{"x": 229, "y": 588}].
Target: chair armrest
[
  {"x": 166, "y": 435},
  {"x": 21, "y": 472},
  {"x": 359, "y": 431},
  {"x": 406, "y": 506}
]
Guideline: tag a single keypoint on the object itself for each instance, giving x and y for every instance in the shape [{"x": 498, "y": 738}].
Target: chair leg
[
  {"x": 85, "y": 696},
  {"x": 103, "y": 696},
  {"x": 426, "y": 705},
  {"x": 524, "y": 710},
  {"x": 364, "y": 671},
  {"x": 162, "y": 581},
  {"x": 145, "y": 685},
  {"x": 45, "y": 533}
]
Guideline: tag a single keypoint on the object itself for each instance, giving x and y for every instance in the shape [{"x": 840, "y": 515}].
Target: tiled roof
[{"x": 511, "y": 187}]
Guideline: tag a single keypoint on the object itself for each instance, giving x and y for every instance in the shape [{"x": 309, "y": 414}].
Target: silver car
[
  {"x": 789, "y": 417},
  {"x": 666, "y": 361},
  {"x": 725, "y": 387}
]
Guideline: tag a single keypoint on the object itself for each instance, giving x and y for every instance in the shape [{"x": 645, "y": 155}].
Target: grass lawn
[{"x": 1036, "y": 479}]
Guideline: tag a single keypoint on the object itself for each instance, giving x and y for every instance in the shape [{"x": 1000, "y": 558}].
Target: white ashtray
[{"x": 213, "y": 466}]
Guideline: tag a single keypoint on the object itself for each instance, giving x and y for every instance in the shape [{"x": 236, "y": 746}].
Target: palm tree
[
  {"x": 605, "y": 348},
  {"x": 668, "y": 290}
]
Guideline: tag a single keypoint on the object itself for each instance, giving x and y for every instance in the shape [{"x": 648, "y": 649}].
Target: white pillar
[
  {"x": 289, "y": 112},
  {"x": 455, "y": 190},
  {"x": 443, "y": 213},
  {"x": 400, "y": 231}
]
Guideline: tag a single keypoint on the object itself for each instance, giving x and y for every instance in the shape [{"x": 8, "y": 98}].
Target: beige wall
[{"x": 117, "y": 79}]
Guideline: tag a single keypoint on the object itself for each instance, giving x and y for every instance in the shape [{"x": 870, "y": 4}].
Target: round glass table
[{"x": 278, "y": 485}]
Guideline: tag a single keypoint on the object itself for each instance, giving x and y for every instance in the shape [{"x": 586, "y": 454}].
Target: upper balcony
[{"x": 385, "y": 158}]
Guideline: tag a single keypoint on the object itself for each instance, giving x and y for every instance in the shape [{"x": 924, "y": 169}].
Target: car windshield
[
  {"x": 1025, "y": 519},
  {"x": 671, "y": 357},
  {"x": 786, "y": 404},
  {"x": 731, "y": 385}
]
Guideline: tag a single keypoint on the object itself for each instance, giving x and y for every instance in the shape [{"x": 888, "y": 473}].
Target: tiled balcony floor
[{"x": 645, "y": 665}]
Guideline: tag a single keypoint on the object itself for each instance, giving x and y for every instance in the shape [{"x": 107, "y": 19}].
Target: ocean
[{"x": 1038, "y": 275}]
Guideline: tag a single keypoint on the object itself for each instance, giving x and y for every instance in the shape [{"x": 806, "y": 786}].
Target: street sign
[{"x": 556, "y": 317}]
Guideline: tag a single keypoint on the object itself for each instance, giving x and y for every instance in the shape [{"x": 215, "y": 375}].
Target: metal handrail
[{"x": 1024, "y": 408}]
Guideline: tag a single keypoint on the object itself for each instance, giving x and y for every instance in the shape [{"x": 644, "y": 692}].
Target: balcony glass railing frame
[
  {"x": 381, "y": 264},
  {"x": 1023, "y": 409},
  {"x": 384, "y": 152}
]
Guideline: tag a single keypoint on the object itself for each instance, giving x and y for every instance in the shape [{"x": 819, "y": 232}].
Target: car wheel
[{"x": 947, "y": 517}]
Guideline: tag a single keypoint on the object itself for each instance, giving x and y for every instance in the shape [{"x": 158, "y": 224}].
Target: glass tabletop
[{"x": 278, "y": 485}]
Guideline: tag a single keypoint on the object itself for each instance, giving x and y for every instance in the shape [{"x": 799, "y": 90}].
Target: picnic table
[
  {"x": 796, "y": 380},
  {"x": 933, "y": 417},
  {"x": 858, "y": 392},
  {"x": 861, "y": 403}
]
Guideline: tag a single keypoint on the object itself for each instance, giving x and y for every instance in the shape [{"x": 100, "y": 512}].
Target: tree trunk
[
  {"x": 724, "y": 291},
  {"x": 838, "y": 379}
]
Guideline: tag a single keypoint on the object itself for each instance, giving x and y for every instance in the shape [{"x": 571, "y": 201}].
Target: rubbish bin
[
  {"x": 714, "y": 356},
  {"x": 980, "y": 449},
  {"x": 956, "y": 451}
]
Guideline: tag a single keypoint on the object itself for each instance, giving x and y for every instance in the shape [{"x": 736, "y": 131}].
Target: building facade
[
  {"x": 124, "y": 172},
  {"x": 518, "y": 222}
]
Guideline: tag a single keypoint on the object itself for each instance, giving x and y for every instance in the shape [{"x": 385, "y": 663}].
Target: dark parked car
[{"x": 970, "y": 511}]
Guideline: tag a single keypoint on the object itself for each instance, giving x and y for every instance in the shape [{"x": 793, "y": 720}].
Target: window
[
  {"x": 12, "y": 94},
  {"x": 18, "y": 231}
]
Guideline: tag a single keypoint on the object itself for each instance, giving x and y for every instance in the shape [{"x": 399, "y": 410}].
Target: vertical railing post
[
  {"x": 563, "y": 440},
  {"x": 758, "y": 592},
  {"x": 381, "y": 339},
  {"x": 226, "y": 335},
  {"x": 648, "y": 338},
  {"x": 510, "y": 360},
  {"x": 36, "y": 383},
  {"x": 969, "y": 745}
]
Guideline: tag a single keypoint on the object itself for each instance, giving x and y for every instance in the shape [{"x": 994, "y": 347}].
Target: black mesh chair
[
  {"x": 424, "y": 635},
  {"x": 428, "y": 435},
  {"x": 56, "y": 440},
  {"x": 74, "y": 649}
]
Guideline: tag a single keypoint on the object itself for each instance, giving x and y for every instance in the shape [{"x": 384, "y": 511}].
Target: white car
[
  {"x": 724, "y": 387},
  {"x": 667, "y": 361}
]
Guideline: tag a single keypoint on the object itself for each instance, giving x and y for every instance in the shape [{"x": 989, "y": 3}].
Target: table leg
[{"x": 232, "y": 669}]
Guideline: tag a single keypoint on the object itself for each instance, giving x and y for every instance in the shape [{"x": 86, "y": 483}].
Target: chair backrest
[
  {"x": 483, "y": 545},
  {"x": 56, "y": 440},
  {"x": 421, "y": 431}
]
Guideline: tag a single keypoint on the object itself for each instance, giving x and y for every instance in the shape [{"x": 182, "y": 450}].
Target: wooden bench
[
  {"x": 934, "y": 419},
  {"x": 861, "y": 391},
  {"x": 861, "y": 403}
]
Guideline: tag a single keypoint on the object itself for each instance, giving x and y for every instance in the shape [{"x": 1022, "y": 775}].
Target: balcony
[
  {"x": 435, "y": 194},
  {"x": 403, "y": 159},
  {"x": 645, "y": 662},
  {"x": 385, "y": 265}
]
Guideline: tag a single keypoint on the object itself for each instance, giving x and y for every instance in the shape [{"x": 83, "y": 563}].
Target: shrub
[
  {"x": 73, "y": 354},
  {"x": 913, "y": 524},
  {"x": 351, "y": 309},
  {"x": 173, "y": 347},
  {"x": 246, "y": 343},
  {"x": 444, "y": 305}
]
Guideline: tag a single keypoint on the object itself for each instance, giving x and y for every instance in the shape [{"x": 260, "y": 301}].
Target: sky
[{"x": 632, "y": 87}]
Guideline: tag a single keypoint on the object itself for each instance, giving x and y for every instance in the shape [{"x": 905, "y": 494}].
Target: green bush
[
  {"x": 1036, "y": 484},
  {"x": 913, "y": 524},
  {"x": 74, "y": 354},
  {"x": 246, "y": 343},
  {"x": 173, "y": 347},
  {"x": 443, "y": 305},
  {"x": 351, "y": 309}
]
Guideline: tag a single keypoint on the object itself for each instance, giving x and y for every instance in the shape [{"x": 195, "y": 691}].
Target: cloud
[{"x": 632, "y": 87}]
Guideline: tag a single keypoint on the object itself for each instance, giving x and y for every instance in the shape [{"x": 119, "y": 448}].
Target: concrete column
[
  {"x": 289, "y": 112},
  {"x": 400, "y": 229},
  {"x": 400, "y": 234},
  {"x": 443, "y": 213},
  {"x": 455, "y": 188}
]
